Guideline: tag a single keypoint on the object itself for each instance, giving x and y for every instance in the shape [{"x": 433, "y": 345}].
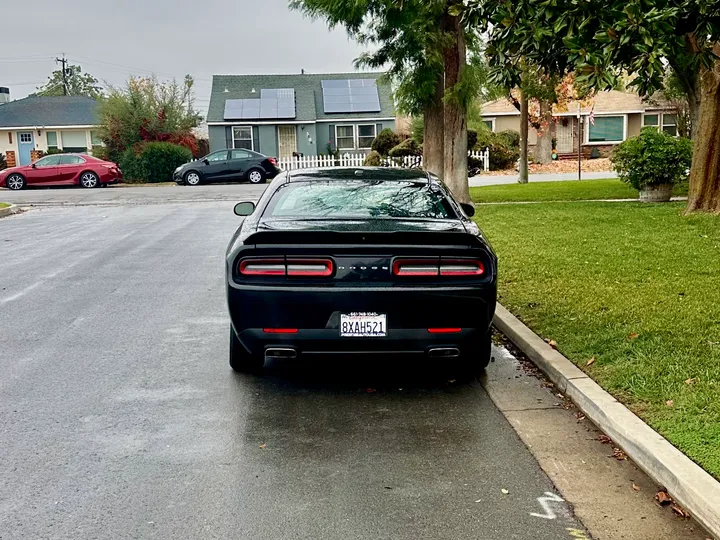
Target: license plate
[{"x": 363, "y": 325}]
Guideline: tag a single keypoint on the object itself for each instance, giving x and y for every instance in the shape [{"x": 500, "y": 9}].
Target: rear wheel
[
  {"x": 15, "y": 182},
  {"x": 475, "y": 359},
  {"x": 256, "y": 176},
  {"x": 89, "y": 180},
  {"x": 240, "y": 359}
]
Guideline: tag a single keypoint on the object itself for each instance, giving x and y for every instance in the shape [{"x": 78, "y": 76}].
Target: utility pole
[
  {"x": 579, "y": 120},
  {"x": 63, "y": 61}
]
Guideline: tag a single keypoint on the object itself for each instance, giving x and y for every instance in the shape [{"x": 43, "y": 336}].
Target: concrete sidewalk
[{"x": 498, "y": 179}]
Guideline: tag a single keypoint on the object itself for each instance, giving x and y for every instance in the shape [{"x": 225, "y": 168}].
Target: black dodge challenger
[{"x": 366, "y": 261}]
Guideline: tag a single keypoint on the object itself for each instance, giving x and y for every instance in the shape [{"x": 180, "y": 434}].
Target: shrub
[
  {"x": 386, "y": 140},
  {"x": 503, "y": 155},
  {"x": 132, "y": 165},
  {"x": 511, "y": 137},
  {"x": 3, "y": 163},
  {"x": 373, "y": 159},
  {"x": 472, "y": 138},
  {"x": 652, "y": 158},
  {"x": 406, "y": 148},
  {"x": 100, "y": 152},
  {"x": 417, "y": 129},
  {"x": 160, "y": 159}
]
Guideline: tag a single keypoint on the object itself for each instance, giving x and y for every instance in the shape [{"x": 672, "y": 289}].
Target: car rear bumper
[{"x": 315, "y": 314}]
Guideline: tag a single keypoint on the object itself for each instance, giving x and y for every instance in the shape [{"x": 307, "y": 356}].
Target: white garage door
[{"x": 74, "y": 139}]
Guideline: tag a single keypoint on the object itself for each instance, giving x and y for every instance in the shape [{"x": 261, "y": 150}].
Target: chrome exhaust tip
[
  {"x": 280, "y": 352},
  {"x": 444, "y": 352}
]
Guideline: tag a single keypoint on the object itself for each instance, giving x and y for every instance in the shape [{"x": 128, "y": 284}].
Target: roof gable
[
  {"x": 308, "y": 94},
  {"x": 42, "y": 111}
]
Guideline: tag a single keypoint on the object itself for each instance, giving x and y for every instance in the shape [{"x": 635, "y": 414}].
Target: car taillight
[
  {"x": 273, "y": 161},
  {"x": 262, "y": 267},
  {"x": 291, "y": 267},
  {"x": 280, "y": 330},
  {"x": 433, "y": 267},
  {"x": 309, "y": 267},
  {"x": 415, "y": 267},
  {"x": 444, "y": 330},
  {"x": 462, "y": 268}
]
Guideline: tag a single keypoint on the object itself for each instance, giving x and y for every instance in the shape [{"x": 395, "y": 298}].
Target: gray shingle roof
[
  {"x": 39, "y": 111},
  {"x": 308, "y": 93}
]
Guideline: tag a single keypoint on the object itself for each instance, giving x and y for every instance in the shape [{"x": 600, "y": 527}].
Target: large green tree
[
  {"x": 75, "y": 83},
  {"x": 601, "y": 38},
  {"x": 423, "y": 47}
]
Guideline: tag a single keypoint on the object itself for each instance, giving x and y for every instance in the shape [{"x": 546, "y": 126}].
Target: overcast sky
[{"x": 113, "y": 39}]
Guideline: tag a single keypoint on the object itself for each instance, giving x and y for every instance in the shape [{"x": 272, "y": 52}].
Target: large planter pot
[{"x": 657, "y": 193}]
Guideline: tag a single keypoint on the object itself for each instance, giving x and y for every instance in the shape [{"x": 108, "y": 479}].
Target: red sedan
[{"x": 62, "y": 170}]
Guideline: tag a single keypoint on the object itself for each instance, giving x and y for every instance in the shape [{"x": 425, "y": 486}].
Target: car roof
[{"x": 358, "y": 173}]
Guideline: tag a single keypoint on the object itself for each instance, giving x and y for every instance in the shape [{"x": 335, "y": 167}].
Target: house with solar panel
[{"x": 289, "y": 115}]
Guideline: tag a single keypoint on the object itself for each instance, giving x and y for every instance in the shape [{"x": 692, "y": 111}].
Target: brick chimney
[{"x": 4, "y": 95}]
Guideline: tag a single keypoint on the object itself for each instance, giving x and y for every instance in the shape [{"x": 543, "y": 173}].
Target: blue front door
[{"x": 26, "y": 142}]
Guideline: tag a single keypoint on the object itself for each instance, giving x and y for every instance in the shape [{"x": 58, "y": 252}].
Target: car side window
[
  {"x": 50, "y": 161},
  {"x": 240, "y": 154},
  {"x": 218, "y": 156},
  {"x": 71, "y": 160}
]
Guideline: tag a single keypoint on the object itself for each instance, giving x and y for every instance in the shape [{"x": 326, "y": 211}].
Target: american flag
[{"x": 592, "y": 116}]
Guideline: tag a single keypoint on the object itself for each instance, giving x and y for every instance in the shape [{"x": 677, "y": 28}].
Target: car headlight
[{"x": 178, "y": 169}]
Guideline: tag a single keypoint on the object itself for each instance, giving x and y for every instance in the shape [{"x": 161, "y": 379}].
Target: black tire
[
  {"x": 192, "y": 178},
  {"x": 256, "y": 176},
  {"x": 476, "y": 358},
  {"x": 15, "y": 182},
  {"x": 240, "y": 359},
  {"x": 89, "y": 180}
]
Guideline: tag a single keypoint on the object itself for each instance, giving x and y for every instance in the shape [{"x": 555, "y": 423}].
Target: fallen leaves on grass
[
  {"x": 690, "y": 381},
  {"x": 591, "y": 361},
  {"x": 663, "y": 498},
  {"x": 670, "y": 403},
  {"x": 633, "y": 335},
  {"x": 553, "y": 343}
]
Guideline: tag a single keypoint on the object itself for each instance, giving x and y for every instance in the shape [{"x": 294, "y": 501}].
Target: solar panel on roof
[
  {"x": 273, "y": 104},
  {"x": 350, "y": 96}
]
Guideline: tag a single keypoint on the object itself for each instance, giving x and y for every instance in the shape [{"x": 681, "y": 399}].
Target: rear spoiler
[{"x": 407, "y": 238}]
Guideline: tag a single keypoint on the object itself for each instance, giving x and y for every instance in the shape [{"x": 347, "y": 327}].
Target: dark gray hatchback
[{"x": 228, "y": 166}]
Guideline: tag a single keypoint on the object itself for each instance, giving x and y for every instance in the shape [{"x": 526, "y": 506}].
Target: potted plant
[{"x": 653, "y": 162}]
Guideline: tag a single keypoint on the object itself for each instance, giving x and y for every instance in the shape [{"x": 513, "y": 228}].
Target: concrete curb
[
  {"x": 686, "y": 482},
  {"x": 8, "y": 210}
]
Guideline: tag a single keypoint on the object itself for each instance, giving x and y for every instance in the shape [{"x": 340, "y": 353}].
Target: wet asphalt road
[{"x": 120, "y": 418}]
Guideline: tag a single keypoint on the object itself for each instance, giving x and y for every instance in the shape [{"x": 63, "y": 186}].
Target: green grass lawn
[
  {"x": 4, "y": 204},
  {"x": 571, "y": 190},
  {"x": 637, "y": 287}
]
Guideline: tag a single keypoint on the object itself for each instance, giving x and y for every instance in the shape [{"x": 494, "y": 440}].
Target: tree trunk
[
  {"x": 524, "y": 177},
  {"x": 543, "y": 148},
  {"x": 434, "y": 140},
  {"x": 456, "y": 153},
  {"x": 705, "y": 172}
]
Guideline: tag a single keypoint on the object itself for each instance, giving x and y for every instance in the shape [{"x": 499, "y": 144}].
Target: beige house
[
  {"x": 36, "y": 125},
  {"x": 617, "y": 116}
]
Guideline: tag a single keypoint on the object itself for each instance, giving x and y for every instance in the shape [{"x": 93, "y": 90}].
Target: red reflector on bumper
[
  {"x": 444, "y": 330},
  {"x": 280, "y": 330}
]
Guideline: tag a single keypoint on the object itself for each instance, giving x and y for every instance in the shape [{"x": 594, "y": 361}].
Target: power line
[{"x": 65, "y": 70}]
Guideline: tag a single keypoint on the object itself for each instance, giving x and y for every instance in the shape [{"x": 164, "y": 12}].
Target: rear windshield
[{"x": 359, "y": 199}]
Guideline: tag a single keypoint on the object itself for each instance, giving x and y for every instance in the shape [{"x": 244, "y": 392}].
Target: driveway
[{"x": 120, "y": 417}]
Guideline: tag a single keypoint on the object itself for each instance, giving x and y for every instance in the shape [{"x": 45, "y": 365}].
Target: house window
[
  {"x": 669, "y": 124},
  {"x": 490, "y": 123},
  {"x": 651, "y": 120},
  {"x": 366, "y": 135},
  {"x": 345, "y": 137},
  {"x": 610, "y": 129},
  {"x": 95, "y": 138},
  {"x": 25, "y": 138},
  {"x": 242, "y": 137},
  {"x": 52, "y": 140}
]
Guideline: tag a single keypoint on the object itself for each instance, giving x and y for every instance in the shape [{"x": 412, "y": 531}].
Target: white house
[{"x": 42, "y": 123}]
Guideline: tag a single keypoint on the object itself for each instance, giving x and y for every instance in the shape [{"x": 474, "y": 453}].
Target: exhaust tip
[
  {"x": 280, "y": 352},
  {"x": 444, "y": 352}
]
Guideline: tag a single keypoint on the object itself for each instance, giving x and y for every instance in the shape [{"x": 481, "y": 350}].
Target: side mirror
[
  {"x": 469, "y": 209},
  {"x": 244, "y": 208},
  {"x": 206, "y": 161},
  {"x": 33, "y": 166}
]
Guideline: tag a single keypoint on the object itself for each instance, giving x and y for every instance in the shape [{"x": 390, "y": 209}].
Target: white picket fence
[{"x": 357, "y": 160}]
